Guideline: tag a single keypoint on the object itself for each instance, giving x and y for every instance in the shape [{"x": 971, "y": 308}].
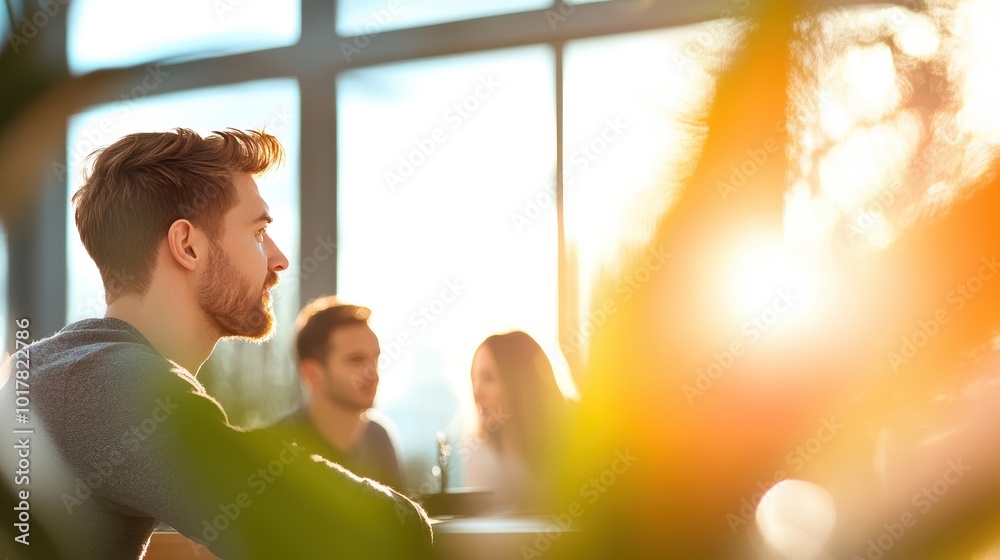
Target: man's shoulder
[
  {"x": 378, "y": 434},
  {"x": 297, "y": 427},
  {"x": 376, "y": 429},
  {"x": 94, "y": 336},
  {"x": 292, "y": 423},
  {"x": 100, "y": 351}
]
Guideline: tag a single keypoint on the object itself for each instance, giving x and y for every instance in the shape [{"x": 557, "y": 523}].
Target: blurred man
[
  {"x": 337, "y": 357},
  {"x": 178, "y": 230}
]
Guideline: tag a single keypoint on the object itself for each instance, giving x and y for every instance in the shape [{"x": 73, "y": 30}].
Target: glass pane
[
  {"x": 4, "y": 29},
  {"x": 272, "y": 105},
  {"x": 431, "y": 199},
  {"x": 161, "y": 30},
  {"x": 366, "y": 17},
  {"x": 626, "y": 144}
]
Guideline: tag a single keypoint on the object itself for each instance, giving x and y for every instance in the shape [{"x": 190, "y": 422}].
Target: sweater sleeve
[{"x": 172, "y": 454}]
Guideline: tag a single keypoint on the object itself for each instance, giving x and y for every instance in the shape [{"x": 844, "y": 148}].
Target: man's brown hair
[
  {"x": 318, "y": 319},
  {"x": 144, "y": 182}
]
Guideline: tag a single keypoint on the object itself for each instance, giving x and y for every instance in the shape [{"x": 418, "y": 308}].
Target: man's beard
[{"x": 235, "y": 308}]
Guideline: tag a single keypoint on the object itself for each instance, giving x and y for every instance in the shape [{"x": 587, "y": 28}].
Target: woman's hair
[{"x": 537, "y": 409}]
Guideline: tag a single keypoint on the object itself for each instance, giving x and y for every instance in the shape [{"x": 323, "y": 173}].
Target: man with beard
[
  {"x": 127, "y": 437},
  {"x": 337, "y": 355}
]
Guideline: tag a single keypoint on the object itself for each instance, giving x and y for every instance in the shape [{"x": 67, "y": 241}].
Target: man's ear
[
  {"x": 183, "y": 241},
  {"x": 310, "y": 371}
]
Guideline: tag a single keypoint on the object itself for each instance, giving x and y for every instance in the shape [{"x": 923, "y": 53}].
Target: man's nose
[{"x": 276, "y": 260}]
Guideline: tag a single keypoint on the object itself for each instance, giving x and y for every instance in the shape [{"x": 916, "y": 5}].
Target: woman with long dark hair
[{"x": 522, "y": 414}]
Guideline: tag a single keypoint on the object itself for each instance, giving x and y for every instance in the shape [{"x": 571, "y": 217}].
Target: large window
[{"x": 439, "y": 233}]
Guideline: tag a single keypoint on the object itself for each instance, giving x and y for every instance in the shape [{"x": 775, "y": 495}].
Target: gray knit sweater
[{"x": 124, "y": 438}]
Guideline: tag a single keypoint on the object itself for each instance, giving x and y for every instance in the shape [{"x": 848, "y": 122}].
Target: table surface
[
  {"x": 485, "y": 537},
  {"x": 521, "y": 524}
]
